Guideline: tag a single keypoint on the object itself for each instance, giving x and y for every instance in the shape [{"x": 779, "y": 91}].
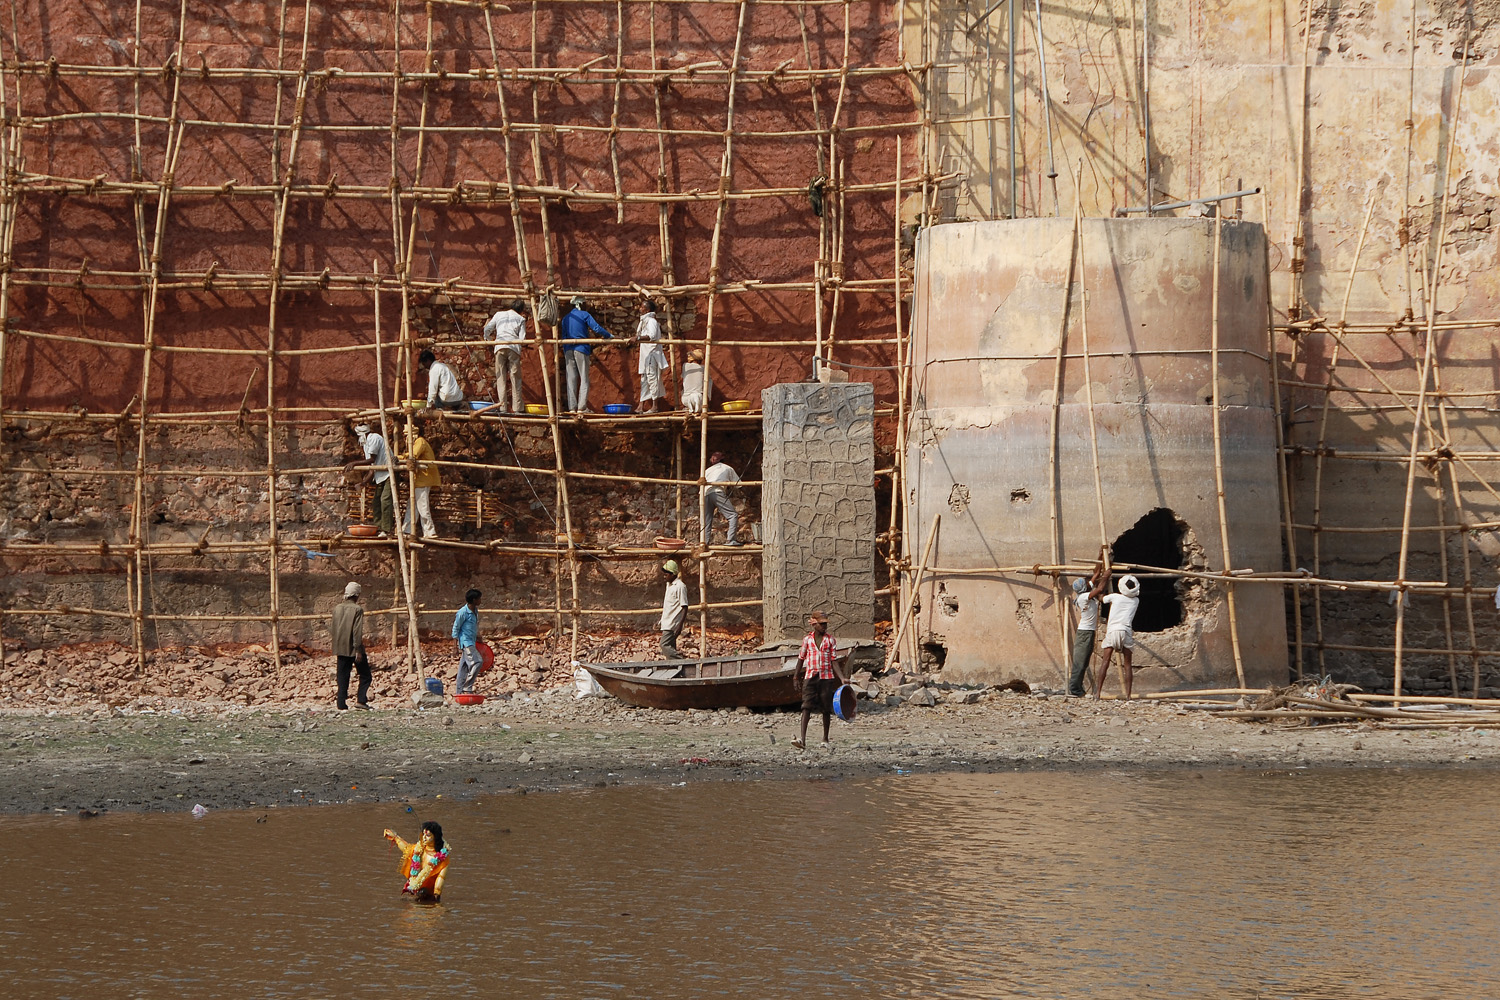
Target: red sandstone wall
[{"x": 769, "y": 240}]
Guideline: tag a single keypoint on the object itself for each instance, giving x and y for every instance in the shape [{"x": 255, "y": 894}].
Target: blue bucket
[
  {"x": 844, "y": 702},
  {"x": 436, "y": 686}
]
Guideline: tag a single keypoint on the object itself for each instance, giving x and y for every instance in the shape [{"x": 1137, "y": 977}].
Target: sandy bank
[{"x": 95, "y": 759}]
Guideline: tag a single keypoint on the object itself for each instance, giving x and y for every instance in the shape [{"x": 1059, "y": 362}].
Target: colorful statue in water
[{"x": 423, "y": 864}]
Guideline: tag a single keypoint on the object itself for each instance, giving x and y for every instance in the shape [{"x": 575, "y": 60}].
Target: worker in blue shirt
[
  {"x": 466, "y": 631},
  {"x": 579, "y": 325}
]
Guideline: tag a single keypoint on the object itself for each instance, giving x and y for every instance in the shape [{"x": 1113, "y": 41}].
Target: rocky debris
[
  {"x": 246, "y": 674},
  {"x": 922, "y": 696}
]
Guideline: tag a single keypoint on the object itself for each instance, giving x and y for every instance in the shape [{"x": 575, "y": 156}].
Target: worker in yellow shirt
[{"x": 424, "y": 478}]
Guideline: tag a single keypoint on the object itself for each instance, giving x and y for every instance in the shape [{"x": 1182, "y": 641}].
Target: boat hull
[{"x": 730, "y": 682}]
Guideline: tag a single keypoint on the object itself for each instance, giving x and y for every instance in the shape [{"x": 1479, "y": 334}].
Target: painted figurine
[{"x": 423, "y": 864}]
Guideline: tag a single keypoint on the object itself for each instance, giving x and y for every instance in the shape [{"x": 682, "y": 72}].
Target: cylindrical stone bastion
[{"x": 1000, "y": 443}]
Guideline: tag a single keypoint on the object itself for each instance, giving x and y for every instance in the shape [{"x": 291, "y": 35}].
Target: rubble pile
[{"x": 241, "y": 674}]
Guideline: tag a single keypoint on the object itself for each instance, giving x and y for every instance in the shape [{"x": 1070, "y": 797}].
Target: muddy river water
[{"x": 1234, "y": 884}]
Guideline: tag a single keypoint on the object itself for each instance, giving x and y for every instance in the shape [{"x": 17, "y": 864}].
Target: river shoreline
[{"x": 87, "y": 761}]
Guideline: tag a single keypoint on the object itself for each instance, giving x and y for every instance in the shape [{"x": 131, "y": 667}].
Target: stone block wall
[
  {"x": 65, "y": 482},
  {"x": 819, "y": 508}
]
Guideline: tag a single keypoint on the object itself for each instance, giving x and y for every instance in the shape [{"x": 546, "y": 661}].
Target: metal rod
[
  {"x": 983, "y": 17},
  {"x": 1167, "y": 206},
  {"x": 1146, "y": 96},
  {"x": 1010, "y": 72},
  {"x": 1041, "y": 54}
]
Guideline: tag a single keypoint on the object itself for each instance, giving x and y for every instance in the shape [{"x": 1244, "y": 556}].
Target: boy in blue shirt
[{"x": 466, "y": 632}]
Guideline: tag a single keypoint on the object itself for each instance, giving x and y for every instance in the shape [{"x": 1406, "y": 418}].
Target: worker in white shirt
[
  {"x": 507, "y": 328},
  {"x": 716, "y": 498},
  {"x": 442, "y": 385},
  {"x": 377, "y": 458},
  {"x": 693, "y": 385},
  {"x": 674, "y": 606},
  {"x": 1119, "y": 634},
  {"x": 653, "y": 359}
]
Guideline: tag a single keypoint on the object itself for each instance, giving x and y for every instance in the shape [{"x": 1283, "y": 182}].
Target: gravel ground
[{"x": 85, "y": 759}]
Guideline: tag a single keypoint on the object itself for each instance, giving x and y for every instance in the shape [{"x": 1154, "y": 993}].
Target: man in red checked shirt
[{"x": 818, "y": 675}]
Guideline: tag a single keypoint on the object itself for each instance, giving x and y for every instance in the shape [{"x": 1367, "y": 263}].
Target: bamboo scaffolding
[
  {"x": 277, "y": 252},
  {"x": 726, "y": 178},
  {"x": 140, "y": 527},
  {"x": 1420, "y": 422},
  {"x": 527, "y": 194}
]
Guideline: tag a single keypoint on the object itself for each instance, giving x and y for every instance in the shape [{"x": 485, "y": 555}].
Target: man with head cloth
[{"x": 378, "y": 460}]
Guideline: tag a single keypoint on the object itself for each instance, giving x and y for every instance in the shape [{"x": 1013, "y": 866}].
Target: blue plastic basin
[
  {"x": 844, "y": 702},
  {"x": 617, "y": 408}
]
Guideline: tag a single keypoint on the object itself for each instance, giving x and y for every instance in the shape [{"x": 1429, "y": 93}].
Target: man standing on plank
[
  {"x": 424, "y": 478},
  {"x": 579, "y": 325},
  {"x": 508, "y": 329},
  {"x": 653, "y": 359}
]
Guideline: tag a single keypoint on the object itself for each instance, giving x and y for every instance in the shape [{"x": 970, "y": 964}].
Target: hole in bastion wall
[{"x": 1157, "y": 539}]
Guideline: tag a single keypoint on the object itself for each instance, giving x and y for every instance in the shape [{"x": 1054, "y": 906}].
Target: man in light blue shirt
[{"x": 466, "y": 632}]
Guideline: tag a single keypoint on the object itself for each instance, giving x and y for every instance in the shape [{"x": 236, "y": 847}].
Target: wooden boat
[{"x": 751, "y": 680}]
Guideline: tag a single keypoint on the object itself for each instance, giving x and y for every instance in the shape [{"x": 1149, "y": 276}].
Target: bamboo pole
[
  {"x": 1280, "y": 423},
  {"x": 554, "y": 400},
  {"x": 916, "y": 581},
  {"x": 898, "y": 474},
  {"x": 1234, "y": 622},
  {"x": 1088, "y": 378},
  {"x": 414, "y": 646},
  {"x": 1317, "y": 548},
  {"x": 140, "y": 526},
  {"x": 1424, "y": 377},
  {"x": 726, "y": 177},
  {"x": 10, "y": 163},
  {"x": 1299, "y": 206},
  {"x": 1054, "y": 473},
  {"x": 277, "y": 252},
  {"x": 1461, "y": 520}
]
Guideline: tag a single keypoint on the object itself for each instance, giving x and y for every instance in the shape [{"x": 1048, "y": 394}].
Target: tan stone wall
[{"x": 1231, "y": 107}]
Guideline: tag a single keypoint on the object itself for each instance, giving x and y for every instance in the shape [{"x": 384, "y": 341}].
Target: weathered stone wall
[
  {"x": 70, "y": 485},
  {"x": 1338, "y": 112},
  {"x": 819, "y": 508},
  {"x": 993, "y": 307}
]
